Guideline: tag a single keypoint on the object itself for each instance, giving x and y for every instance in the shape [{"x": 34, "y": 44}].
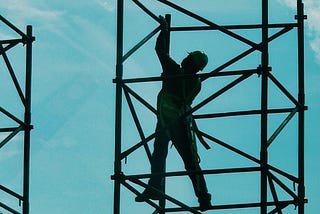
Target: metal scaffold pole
[
  {"x": 264, "y": 107},
  {"x": 301, "y": 99},
  {"x": 27, "y": 119},
  {"x": 118, "y": 116}
]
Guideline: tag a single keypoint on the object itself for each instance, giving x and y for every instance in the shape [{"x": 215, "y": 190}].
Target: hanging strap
[{"x": 197, "y": 131}]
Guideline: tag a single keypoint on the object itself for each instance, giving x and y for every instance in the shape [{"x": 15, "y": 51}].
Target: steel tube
[
  {"x": 195, "y": 16},
  {"x": 301, "y": 99},
  {"x": 13, "y": 76},
  {"x": 9, "y": 24},
  {"x": 264, "y": 109},
  {"x": 241, "y": 113},
  {"x": 27, "y": 121},
  {"x": 231, "y": 27},
  {"x": 118, "y": 113}
]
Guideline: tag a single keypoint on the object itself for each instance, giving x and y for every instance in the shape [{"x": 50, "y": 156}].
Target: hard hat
[{"x": 199, "y": 58}]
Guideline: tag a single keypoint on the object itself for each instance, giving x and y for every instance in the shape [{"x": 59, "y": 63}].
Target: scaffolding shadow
[{"x": 276, "y": 191}]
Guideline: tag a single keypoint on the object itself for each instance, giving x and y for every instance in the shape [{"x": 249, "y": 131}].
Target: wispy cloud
[
  {"x": 312, "y": 8},
  {"x": 65, "y": 24},
  {"x": 14, "y": 148},
  {"x": 290, "y": 3},
  {"x": 108, "y": 5},
  {"x": 21, "y": 11}
]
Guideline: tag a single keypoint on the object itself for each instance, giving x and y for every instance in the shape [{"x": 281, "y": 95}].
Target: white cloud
[
  {"x": 313, "y": 24},
  {"x": 21, "y": 11},
  {"x": 315, "y": 45},
  {"x": 108, "y": 5},
  {"x": 290, "y": 3},
  {"x": 312, "y": 8},
  {"x": 65, "y": 24}
]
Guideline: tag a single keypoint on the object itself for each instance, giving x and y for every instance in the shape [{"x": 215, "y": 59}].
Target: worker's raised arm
[
  {"x": 162, "y": 43},
  {"x": 162, "y": 47}
]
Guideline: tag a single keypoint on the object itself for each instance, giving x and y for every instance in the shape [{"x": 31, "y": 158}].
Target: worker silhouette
[{"x": 173, "y": 101}]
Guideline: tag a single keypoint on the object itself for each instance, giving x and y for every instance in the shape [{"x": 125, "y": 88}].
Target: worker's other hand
[{"x": 163, "y": 23}]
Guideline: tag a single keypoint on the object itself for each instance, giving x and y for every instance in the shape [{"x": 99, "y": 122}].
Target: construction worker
[{"x": 173, "y": 101}]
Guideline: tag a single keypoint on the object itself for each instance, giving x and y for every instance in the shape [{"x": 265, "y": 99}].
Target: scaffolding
[
  {"x": 15, "y": 124},
  {"x": 276, "y": 191}
]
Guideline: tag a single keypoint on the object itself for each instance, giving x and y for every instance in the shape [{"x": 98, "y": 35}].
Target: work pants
[{"x": 182, "y": 136}]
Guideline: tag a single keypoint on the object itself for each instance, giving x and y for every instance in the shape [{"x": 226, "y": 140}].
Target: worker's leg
[
  {"x": 186, "y": 146},
  {"x": 158, "y": 164},
  {"x": 159, "y": 155}
]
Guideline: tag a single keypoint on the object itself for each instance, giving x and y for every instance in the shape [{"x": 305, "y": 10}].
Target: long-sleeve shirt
[{"x": 181, "y": 91}]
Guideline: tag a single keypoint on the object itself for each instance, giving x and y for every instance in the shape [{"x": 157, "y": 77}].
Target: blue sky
[{"x": 73, "y": 101}]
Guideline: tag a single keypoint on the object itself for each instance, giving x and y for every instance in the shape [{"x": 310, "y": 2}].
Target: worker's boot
[
  {"x": 205, "y": 202},
  {"x": 148, "y": 194},
  {"x": 200, "y": 187}
]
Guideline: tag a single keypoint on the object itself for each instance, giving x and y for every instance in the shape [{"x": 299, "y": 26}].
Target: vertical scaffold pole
[
  {"x": 162, "y": 202},
  {"x": 118, "y": 116},
  {"x": 27, "y": 121},
  {"x": 301, "y": 99},
  {"x": 264, "y": 108}
]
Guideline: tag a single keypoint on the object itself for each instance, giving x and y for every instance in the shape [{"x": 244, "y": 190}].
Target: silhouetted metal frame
[
  {"x": 24, "y": 124},
  {"x": 268, "y": 173}
]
